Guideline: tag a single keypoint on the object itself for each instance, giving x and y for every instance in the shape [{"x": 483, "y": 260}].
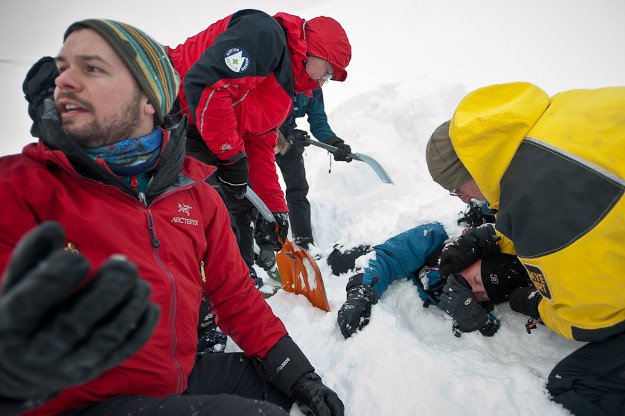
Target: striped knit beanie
[{"x": 146, "y": 59}]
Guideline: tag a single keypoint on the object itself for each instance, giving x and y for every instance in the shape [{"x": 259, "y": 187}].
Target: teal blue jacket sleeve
[
  {"x": 402, "y": 255},
  {"x": 317, "y": 117}
]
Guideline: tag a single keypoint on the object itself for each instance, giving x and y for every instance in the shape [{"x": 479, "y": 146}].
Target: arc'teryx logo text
[{"x": 184, "y": 208}]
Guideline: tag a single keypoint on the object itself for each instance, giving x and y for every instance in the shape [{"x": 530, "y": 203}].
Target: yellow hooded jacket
[{"x": 555, "y": 169}]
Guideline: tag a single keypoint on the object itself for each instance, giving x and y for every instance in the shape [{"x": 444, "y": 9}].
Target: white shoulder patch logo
[{"x": 237, "y": 59}]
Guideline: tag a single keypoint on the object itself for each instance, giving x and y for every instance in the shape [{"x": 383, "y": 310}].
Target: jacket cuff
[
  {"x": 355, "y": 280},
  {"x": 284, "y": 364},
  {"x": 233, "y": 159},
  {"x": 333, "y": 141},
  {"x": 357, "y": 286}
]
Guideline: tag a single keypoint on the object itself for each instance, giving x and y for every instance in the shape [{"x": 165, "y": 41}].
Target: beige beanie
[{"x": 443, "y": 163}]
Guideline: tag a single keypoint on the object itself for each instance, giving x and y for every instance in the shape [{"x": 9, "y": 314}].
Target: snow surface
[{"x": 412, "y": 63}]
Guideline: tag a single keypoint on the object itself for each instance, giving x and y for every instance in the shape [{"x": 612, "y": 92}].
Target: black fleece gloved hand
[
  {"x": 39, "y": 85},
  {"x": 525, "y": 300},
  {"x": 298, "y": 138},
  {"x": 234, "y": 177},
  {"x": 474, "y": 216},
  {"x": 266, "y": 257},
  {"x": 316, "y": 399},
  {"x": 55, "y": 334},
  {"x": 467, "y": 249},
  {"x": 355, "y": 313},
  {"x": 287, "y": 368},
  {"x": 343, "y": 149},
  {"x": 274, "y": 233},
  {"x": 461, "y": 304}
]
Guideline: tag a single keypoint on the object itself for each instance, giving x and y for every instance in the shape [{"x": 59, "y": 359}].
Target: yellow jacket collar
[{"x": 488, "y": 127}]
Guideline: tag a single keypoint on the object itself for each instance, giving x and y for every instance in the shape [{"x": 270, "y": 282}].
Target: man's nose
[{"x": 68, "y": 80}]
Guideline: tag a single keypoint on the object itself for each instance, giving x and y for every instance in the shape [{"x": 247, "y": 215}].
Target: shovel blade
[
  {"x": 300, "y": 275},
  {"x": 377, "y": 168}
]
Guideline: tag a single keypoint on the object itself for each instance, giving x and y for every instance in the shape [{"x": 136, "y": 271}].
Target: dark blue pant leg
[
  {"x": 294, "y": 173},
  {"x": 591, "y": 380},
  {"x": 220, "y": 384}
]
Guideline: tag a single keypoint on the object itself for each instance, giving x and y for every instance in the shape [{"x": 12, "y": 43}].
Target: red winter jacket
[
  {"x": 238, "y": 88},
  {"x": 196, "y": 249}
]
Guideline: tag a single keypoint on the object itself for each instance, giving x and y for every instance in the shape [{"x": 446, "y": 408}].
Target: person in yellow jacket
[{"x": 553, "y": 168}]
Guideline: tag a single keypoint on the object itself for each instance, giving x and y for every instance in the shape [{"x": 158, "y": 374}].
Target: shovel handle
[{"x": 329, "y": 148}]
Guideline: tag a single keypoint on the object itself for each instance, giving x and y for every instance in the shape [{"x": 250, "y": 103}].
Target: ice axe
[
  {"x": 298, "y": 270},
  {"x": 377, "y": 168}
]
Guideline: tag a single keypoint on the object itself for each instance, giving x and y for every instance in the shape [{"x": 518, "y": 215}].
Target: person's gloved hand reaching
[
  {"x": 55, "y": 333},
  {"x": 467, "y": 249},
  {"x": 461, "y": 304},
  {"x": 343, "y": 149},
  {"x": 356, "y": 311}
]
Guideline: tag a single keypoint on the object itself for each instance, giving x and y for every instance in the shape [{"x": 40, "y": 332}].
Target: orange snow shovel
[
  {"x": 300, "y": 274},
  {"x": 298, "y": 270}
]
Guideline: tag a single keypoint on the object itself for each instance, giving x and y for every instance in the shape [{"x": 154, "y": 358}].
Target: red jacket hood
[
  {"x": 326, "y": 38},
  {"x": 296, "y": 41}
]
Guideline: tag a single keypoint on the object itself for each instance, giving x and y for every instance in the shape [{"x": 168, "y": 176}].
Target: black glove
[
  {"x": 356, "y": 311},
  {"x": 298, "y": 138},
  {"x": 266, "y": 257},
  {"x": 474, "y": 216},
  {"x": 286, "y": 367},
  {"x": 233, "y": 176},
  {"x": 316, "y": 399},
  {"x": 468, "y": 248},
  {"x": 343, "y": 261},
  {"x": 274, "y": 233},
  {"x": 39, "y": 85},
  {"x": 56, "y": 335},
  {"x": 343, "y": 149},
  {"x": 525, "y": 300},
  {"x": 460, "y": 303}
]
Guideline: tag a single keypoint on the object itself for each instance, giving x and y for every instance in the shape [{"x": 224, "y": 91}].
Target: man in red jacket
[
  {"x": 240, "y": 77},
  {"x": 124, "y": 226}
]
